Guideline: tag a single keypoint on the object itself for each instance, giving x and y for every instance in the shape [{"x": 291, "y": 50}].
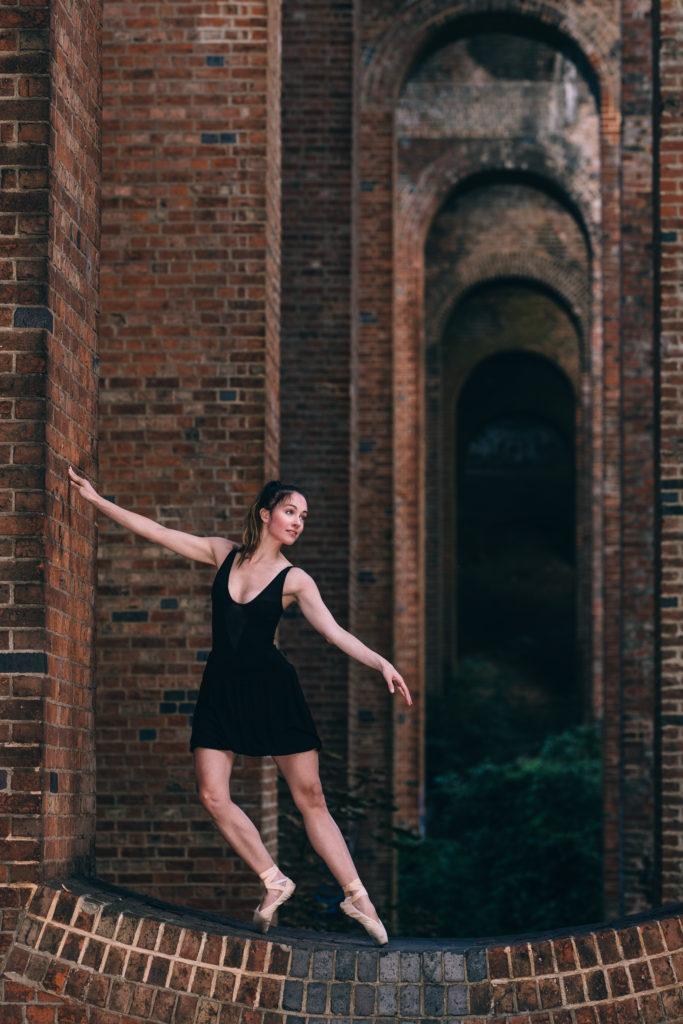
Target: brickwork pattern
[
  {"x": 189, "y": 406},
  {"x": 670, "y": 251},
  {"x": 50, "y": 112},
  {"x": 104, "y": 957},
  {"x": 504, "y": 230},
  {"x": 25, "y": 113},
  {"x": 71, "y": 429}
]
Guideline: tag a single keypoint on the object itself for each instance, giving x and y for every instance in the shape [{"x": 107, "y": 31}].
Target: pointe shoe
[
  {"x": 375, "y": 929},
  {"x": 272, "y": 879}
]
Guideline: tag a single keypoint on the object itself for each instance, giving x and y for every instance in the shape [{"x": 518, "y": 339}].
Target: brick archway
[
  {"x": 543, "y": 167},
  {"x": 457, "y": 358},
  {"x": 416, "y": 209},
  {"x": 387, "y": 342},
  {"x": 388, "y": 54},
  {"x": 570, "y": 290}
]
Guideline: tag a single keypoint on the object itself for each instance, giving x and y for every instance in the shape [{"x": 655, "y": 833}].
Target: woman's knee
[
  {"x": 213, "y": 799},
  {"x": 310, "y": 797}
]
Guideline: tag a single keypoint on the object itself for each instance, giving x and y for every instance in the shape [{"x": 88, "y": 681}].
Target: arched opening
[
  {"x": 509, "y": 711},
  {"x": 497, "y": 168},
  {"x": 516, "y": 326},
  {"x": 516, "y": 537}
]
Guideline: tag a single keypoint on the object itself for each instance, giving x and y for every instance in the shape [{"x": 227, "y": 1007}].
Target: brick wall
[
  {"x": 49, "y": 227},
  {"x": 85, "y": 954},
  {"x": 670, "y": 250},
  {"x": 189, "y": 407},
  {"x": 190, "y": 418}
]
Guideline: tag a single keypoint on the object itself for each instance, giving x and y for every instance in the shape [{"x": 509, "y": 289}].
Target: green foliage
[
  {"x": 490, "y": 711},
  {"x": 518, "y": 845}
]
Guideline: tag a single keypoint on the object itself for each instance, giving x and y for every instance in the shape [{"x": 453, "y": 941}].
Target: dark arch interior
[
  {"x": 516, "y": 530},
  {"x": 512, "y": 770}
]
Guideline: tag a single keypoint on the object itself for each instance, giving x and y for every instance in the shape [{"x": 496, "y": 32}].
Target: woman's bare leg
[
  {"x": 213, "y": 769},
  {"x": 303, "y": 778}
]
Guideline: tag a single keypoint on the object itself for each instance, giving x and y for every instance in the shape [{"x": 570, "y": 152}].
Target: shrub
[{"x": 518, "y": 845}]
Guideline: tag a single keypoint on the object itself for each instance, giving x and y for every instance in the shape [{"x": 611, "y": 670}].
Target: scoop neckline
[{"x": 243, "y": 604}]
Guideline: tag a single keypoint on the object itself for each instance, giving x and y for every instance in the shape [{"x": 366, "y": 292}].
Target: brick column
[
  {"x": 372, "y": 469},
  {"x": 670, "y": 253},
  {"x": 49, "y": 223},
  {"x": 638, "y": 424},
  {"x": 189, "y": 409},
  {"x": 316, "y": 324}
]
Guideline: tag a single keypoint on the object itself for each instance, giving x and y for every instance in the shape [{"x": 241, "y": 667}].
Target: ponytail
[{"x": 272, "y": 495}]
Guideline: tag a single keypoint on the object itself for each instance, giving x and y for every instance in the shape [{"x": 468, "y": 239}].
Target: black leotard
[{"x": 250, "y": 700}]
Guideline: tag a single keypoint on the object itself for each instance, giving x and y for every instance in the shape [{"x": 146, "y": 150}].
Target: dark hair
[{"x": 272, "y": 495}]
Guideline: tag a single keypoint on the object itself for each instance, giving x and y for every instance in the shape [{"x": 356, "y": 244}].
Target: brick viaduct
[{"x": 232, "y": 239}]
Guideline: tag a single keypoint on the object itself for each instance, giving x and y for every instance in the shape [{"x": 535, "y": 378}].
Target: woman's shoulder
[
  {"x": 222, "y": 547},
  {"x": 298, "y": 580}
]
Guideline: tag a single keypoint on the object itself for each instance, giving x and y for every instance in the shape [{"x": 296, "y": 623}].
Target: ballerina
[{"x": 250, "y": 700}]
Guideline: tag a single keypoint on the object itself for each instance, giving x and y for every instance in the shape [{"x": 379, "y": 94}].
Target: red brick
[
  {"x": 527, "y": 996},
  {"x": 520, "y": 961},
  {"x": 564, "y": 955},
  {"x": 279, "y": 960},
  {"x": 608, "y": 947},
  {"x": 585, "y": 947},
  {"x": 673, "y": 936},
  {"x": 618, "y": 981},
  {"x": 256, "y": 957},
  {"x": 630, "y": 943},
  {"x": 542, "y": 957},
  {"x": 652, "y": 938},
  {"x": 550, "y": 993},
  {"x": 627, "y": 1011},
  {"x": 650, "y": 1008}
]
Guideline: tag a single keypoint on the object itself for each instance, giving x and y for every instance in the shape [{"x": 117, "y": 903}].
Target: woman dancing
[{"x": 250, "y": 701}]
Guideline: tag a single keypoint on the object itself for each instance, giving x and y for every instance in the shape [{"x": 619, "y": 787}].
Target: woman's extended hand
[
  {"x": 212, "y": 550},
  {"x": 395, "y": 681},
  {"x": 85, "y": 489}
]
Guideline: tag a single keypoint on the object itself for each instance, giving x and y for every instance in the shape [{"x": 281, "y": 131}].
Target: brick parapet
[{"x": 86, "y": 952}]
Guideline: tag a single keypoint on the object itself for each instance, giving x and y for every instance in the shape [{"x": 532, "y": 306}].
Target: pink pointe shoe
[
  {"x": 272, "y": 879},
  {"x": 375, "y": 929}
]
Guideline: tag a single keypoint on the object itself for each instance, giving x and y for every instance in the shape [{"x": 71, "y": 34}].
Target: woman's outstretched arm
[
  {"x": 314, "y": 609},
  {"x": 212, "y": 550}
]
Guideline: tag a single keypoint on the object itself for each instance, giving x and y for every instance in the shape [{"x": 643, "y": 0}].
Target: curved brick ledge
[{"x": 87, "y": 953}]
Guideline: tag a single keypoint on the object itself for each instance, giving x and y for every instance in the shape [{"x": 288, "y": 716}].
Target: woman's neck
[{"x": 267, "y": 551}]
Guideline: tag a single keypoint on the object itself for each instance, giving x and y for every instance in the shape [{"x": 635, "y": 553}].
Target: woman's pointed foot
[
  {"x": 274, "y": 881},
  {"x": 354, "y": 891}
]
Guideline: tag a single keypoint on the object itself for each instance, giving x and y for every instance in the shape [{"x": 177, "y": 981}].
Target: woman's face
[{"x": 286, "y": 521}]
